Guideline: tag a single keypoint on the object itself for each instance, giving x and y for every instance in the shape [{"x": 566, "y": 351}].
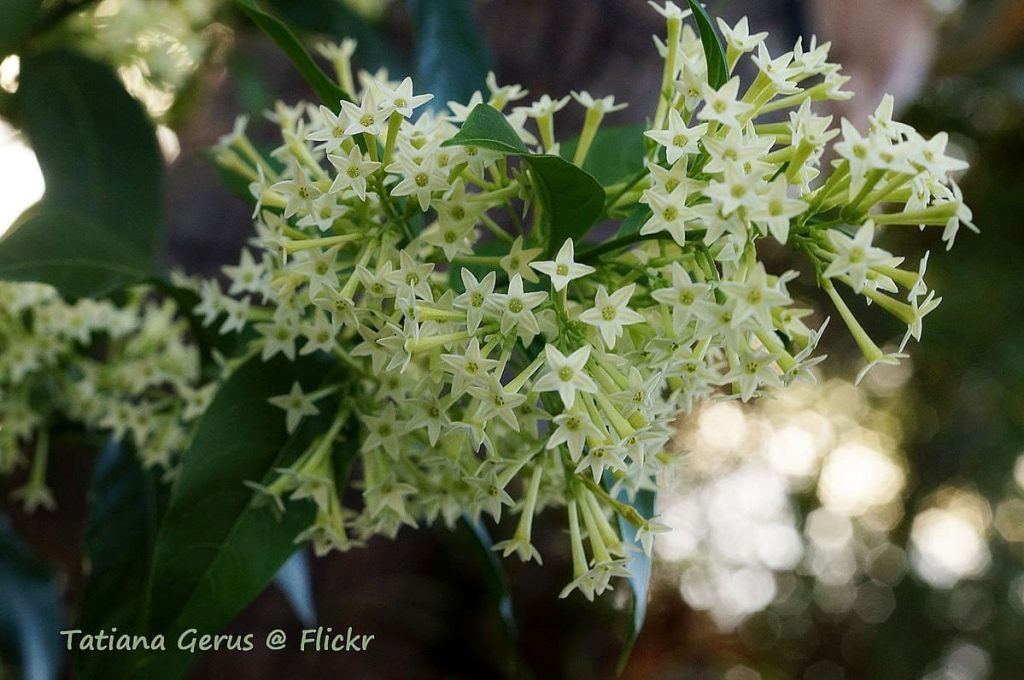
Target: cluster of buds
[
  {"x": 486, "y": 368},
  {"x": 129, "y": 371}
]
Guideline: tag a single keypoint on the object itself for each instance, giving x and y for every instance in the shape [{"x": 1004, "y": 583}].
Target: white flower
[
  {"x": 573, "y": 430},
  {"x": 475, "y": 299},
  {"x": 563, "y": 269},
  {"x": 331, "y": 132},
  {"x": 722, "y": 105},
  {"x": 352, "y": 172},
  {"x": 566, "y": 374},
  {"x": 671, "y": 10},
  {"x": 677, "y": 138},
  {"x": 684, "y": 297},
  {"x": 754, "y": 297},
  {"x": 516, "y": 307},
  {"x": 399, "y": 99},
  {"x": 645, "y": 534},
  {"x": 775, "y": 209},
  {"x": 497, "y": 402},
  {"x": 296, "y": 404},
  {"x": 468, "y": 368},
  {"x": 739, "y": 37},
  {"x": 517, "y": 262},
  {"x": 855, "y": 256},
  {"x": 611, "y": 313},
  {"x": 602, "y": 457},
  {"x": 366, "y": 117},
  {"x": 602, "y": 105},
  {"x": 669, "y": 213}
]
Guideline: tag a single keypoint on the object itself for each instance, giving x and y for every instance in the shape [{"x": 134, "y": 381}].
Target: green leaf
[
  {"x": 95, "y": 145},
  {"x": 124, "y": 507},
  {"x": 451, "y": 57},
  {"x": 616, "y": 154},
  {"x": 19, "y": 17},
  {"x": 572, "y": 198},
  {"x": 104, "y": 179},
  {"x": 328, "y": 91},
  {"x": 639, "y": 565},
  {"x": 69, "y": 251},
  {"x": 714, "y": 53},
  {"x": 30, "y": 609},
  {"x": 335, "y": 19},
  {"x": 632, "y": 224},
  {"x": 214, "y": 553},
  {"x": 486, "y": 127}
]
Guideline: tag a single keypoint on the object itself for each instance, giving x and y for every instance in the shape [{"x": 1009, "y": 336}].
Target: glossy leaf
[
  {"x": 124, "y": 506},
  {"x": 18, "y": 19},
  {"x": 337, "y": 20},
  {"x": 571, "y": 198},
  {"x": 30, "y": 609},
  {"x": 69, "y": 251},
  {"x": 328, "y": 91},
  {"x": 95, "y": 144},
  {"x": 486, "y": 127},
  {"x": 451, "y": 57},
  {"x": 96, "y": 227},
  {"x": 714, "y": 53},
  {"x": 615, "y": 155},
  {"x": 214, "y": 552},
  {"x": 632, "y": 224}
]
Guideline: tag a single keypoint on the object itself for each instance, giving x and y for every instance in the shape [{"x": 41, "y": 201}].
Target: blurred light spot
[
  {"x": 886, "y": 563},
  {"x": 836, "y": 599},
  {"x": 945, "y": 6},
  {"x": 722, "y": 426},
  {"x": 741, "y": 673},
  {"x": 1015, "y": 595},
  {"x": 891, "y": 380},
  {"x": 9, "y": 70},
  {"x": 828, "y": 529},
  {"x": 962, "y": 660},
  {"x": 970, "y": 607},
  {"x": 856, "y": 477},
  {"x": 1010, "y": 520},
  {"x": 779, "y": 546},
  {"x": 825, "y": 670},
  {"x": 833, "y": 567},
  {"x": 794, "y": 452},
  {"x": 170, "y": 147},
  {"x": 1018, "y": 472},
  {"x": 875, "y": 603},
  {"x": 157, "y": 101},
  {"x": 949, "y": 541},
  {"x": 21, "y": 180},
  {"x": 684, "y": 539}
]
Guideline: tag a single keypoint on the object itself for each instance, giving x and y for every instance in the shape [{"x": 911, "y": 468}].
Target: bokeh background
[{"x": 831, "y": 533}]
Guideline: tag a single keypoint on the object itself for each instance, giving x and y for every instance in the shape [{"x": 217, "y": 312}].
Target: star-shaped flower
[
  {"x": 563, "y": 269},
  {"x": 611, "y": 313}
]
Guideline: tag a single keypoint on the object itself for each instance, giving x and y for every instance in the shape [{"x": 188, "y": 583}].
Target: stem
[{"x": 591, "y": 254}]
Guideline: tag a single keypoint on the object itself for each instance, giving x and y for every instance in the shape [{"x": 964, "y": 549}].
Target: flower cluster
[
  {"x": 156, "y": 46},
  {"x": 491, "y": 361},
  {"x": 128, "y": 370}
]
